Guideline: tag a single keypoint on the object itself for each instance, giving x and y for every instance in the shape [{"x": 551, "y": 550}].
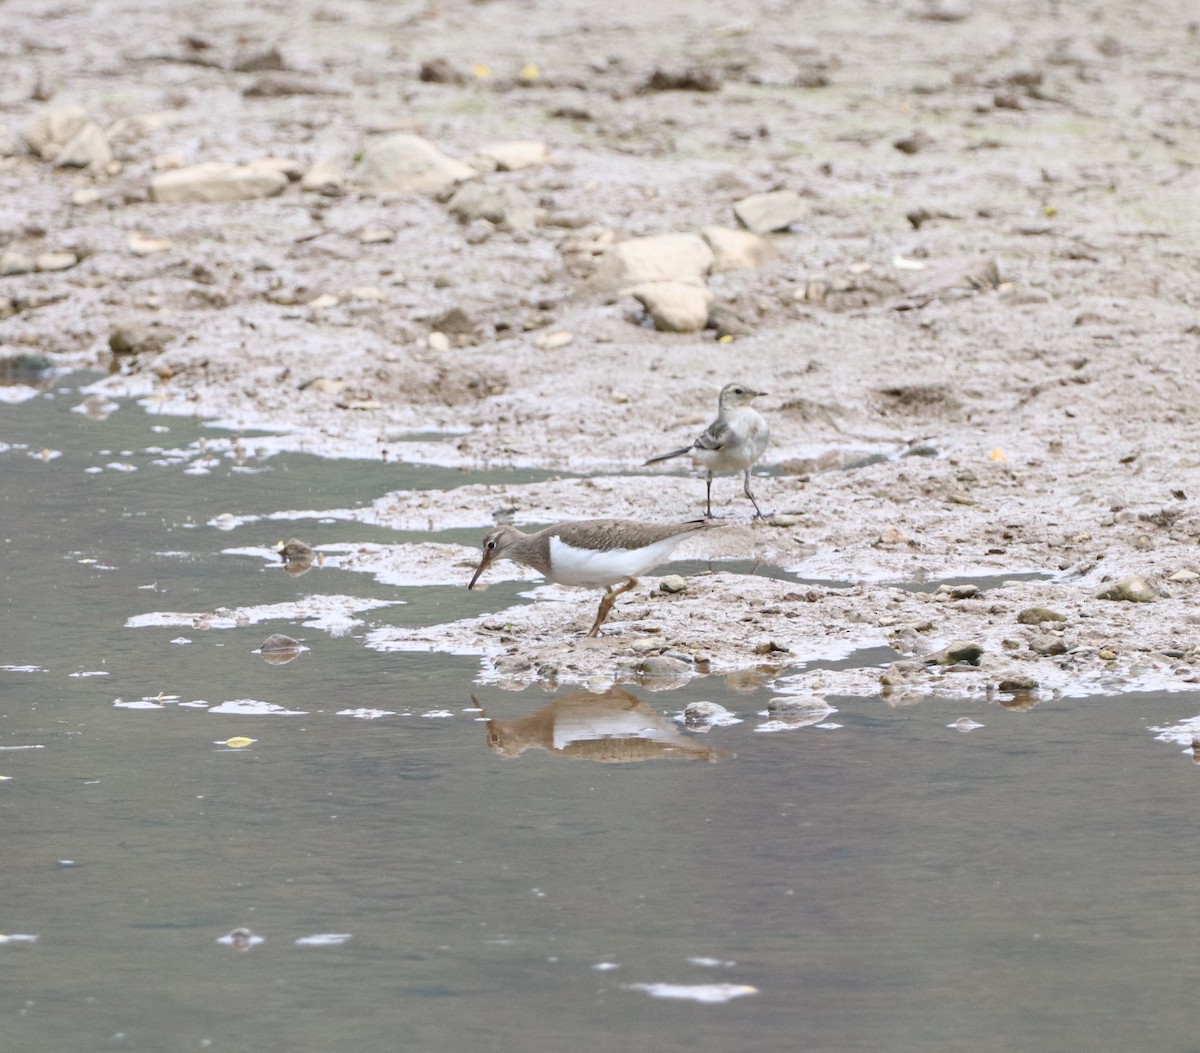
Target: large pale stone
[
  {"x": 735, "y": 250},
  {"x": 14, "y": 263},
  {"x": 87, "y": 147},
  {"x": 501, "y": 205},
  {"x": 324, "y": 177},
  {"x": 675, "y": 307},
  {"x": 49, "y": 132},
  {"x": 517, "y": 154},
  {"x": 663, "y": 257},
  {"x": 408, "y": 162},
  {"x": 775, "y": 210},
  {"x": 216, "y": 181}
]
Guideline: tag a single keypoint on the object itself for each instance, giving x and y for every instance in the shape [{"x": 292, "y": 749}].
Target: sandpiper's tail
[{"x": 667, "y": 456}]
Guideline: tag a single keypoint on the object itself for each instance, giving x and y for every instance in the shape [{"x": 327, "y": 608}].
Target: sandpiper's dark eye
[
  {"x": 739, "y": 391},
  {"x": 491, "y": 544}
]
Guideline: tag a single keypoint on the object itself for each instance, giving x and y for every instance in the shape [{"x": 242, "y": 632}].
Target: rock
[
  {"x": 556, "y": 339},
  {"x": 132, "y": 338},
  {"x": 1106, "y": 654},
  {"x": 169, "y": 162},
  {"x": 662, "y": 666},
  {"x": 87, "y": 148},
  {"x": 1017, "y": 682},
  {"x": 734, "y": 250},
  {"x": 324, "y": 177},
  {"x": 400, "y": 162},
  {"x": 518, "y": 154},
  {"x": 783, "y": 519},
  {"x": 324, "y": 386},
  {"x": 55, "y": 261},
  {"x": 915, "y": 143},
  {"x": 1184, "y": 577},
  {"x": 703, "y": 715},
  {"x": 662, "y": 257},
  {"x": 26, "y": 364},
  {"x": 455, "y": 321},
  {"x": 673, "y": 583},
  {"x": 147, "y": 245},
  {"x": 771, "y": 647},
  {"x": 691, "y": 79},
  {"x": 289, "y": 166},
  {"x": 775, "y": 210},
  {"x": 216, "y": 181},
  {"x": 1048, "y": 644},
  {"x": 958, "y": 592},
  {"x": 893, "y": 535},
  {"x": 799, "y": 712},
  {"x": 376, "y": 235},
  {"x": 259, "y": 61},
  {"x": 279, "y": 85},
  {"x": 675, "y": 307},
  {"x": 441, "y": 71},
  {"x": 48, "y": 133},
  {"x": 14, "y": 263},
  {"x": 727, "y": 322},
  {"x": 961, "y": 651},
  {"x": 1134, "y": 589},
  {"x": 504, "y": 205},
  {"x": 437, "y": 341},
  {"x": 323, "y": 302},
  {"x": 944, "y": 11},
  {"x": 1037, "y": 615}
]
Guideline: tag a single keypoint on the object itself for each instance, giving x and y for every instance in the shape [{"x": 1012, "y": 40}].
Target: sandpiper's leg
[
  {"x": 708, "y": 497},
  {"x": 757, "y": 511},
  {"x": 607, "y": 602}
]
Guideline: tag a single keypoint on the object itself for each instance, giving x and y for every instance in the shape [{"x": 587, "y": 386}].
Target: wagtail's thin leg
[{"x": 757, "y": 511}]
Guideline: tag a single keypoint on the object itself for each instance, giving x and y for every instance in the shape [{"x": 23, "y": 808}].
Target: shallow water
[{"x": 882, "y": 880}]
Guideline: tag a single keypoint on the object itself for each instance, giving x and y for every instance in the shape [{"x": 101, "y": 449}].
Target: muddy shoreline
[{"x": 975, "y": 333}]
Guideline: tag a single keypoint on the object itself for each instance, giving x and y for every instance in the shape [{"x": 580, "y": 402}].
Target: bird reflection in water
[
  {"x": 612, "y": 728},
  {"x": 298, "y": 558}
]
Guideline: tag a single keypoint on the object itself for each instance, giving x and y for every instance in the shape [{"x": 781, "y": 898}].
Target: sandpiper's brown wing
[{"x": 605, "y": 535}]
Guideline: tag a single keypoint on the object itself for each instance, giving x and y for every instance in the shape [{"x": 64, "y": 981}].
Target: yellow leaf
[
  {"x": 239, "y": 742},
  {"x": 528, "y": 72},
  {"x": 997, "y": 455},
  {"x": 481, "y": 71}
]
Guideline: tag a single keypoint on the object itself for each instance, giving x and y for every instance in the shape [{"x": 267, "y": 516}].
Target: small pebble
[
  {"x": 673, "y": 583},
  {"x": 1037, "y": 615},
  {"x": 550, "y": 341}
]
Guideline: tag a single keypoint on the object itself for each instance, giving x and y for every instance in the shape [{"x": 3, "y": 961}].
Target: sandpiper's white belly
[{"x": 594, "y": 568}]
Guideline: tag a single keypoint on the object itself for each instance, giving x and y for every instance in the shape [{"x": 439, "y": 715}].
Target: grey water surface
[{"x": 445, "y": 878}]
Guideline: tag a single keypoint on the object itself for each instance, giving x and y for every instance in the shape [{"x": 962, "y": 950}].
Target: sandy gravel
[{"x": 978, "y": 343}]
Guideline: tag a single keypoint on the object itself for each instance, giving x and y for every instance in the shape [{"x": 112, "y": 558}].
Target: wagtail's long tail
[{"x": 668, "y": 456}]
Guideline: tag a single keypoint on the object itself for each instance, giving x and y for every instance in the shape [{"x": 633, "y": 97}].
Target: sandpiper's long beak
[{"x": 483, "y": 565}]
